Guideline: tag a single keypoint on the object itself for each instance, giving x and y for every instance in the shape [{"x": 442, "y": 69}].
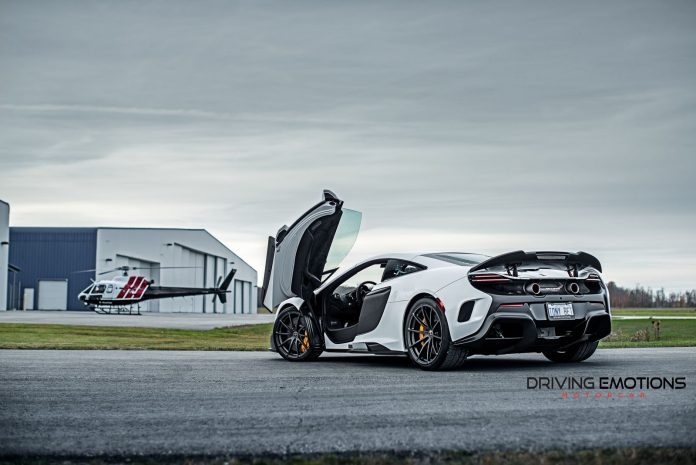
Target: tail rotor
[{"x": 222, "y": 286}]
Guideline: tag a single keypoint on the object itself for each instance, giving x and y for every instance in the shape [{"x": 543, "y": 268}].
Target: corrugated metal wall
[
  {"x": 54, "y": 253},
  {"x": 4, "y": 252}
]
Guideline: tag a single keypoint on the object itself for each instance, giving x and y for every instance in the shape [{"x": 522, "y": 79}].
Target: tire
[
  {"x": 575, "y": 354},
  {"x": 291, "y": 336},
  {"x": 427, "y": 339}
]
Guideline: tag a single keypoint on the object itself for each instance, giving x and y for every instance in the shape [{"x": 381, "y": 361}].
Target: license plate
[{"x": 560, "y": 311}]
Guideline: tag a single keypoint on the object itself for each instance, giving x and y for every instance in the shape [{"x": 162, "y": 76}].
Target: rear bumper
[{"x": 528, "y": 329}]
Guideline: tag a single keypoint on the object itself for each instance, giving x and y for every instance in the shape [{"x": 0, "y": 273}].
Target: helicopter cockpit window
[{"x": 98, "y": 289}]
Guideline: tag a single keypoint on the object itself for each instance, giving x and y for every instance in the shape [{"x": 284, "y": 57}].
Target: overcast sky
[{"x": 475, "y": 126}]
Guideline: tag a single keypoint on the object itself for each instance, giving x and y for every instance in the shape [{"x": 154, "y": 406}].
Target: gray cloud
[{"x": 451, "y": 125}]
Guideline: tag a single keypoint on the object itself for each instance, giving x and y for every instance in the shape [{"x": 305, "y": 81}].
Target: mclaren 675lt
[{"x": 436, "y": 308}]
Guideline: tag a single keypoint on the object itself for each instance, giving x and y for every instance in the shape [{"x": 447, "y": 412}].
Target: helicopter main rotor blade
[
  {"x": 162, "y": 267},
  {"x": 83, "y": 271},
  {"x": 111, "y": 271},
  {"x": 126, "y": 268}
]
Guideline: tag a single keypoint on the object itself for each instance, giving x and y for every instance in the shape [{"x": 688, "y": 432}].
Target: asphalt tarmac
[{"x": 148, "y": 402}]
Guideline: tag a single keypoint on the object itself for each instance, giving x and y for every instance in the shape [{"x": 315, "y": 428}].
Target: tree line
[{"x": 647, "y": 297}]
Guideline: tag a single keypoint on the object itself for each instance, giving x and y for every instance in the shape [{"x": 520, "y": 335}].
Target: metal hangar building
[
  {"x": 4, "y": 251},
  {"x": 49, "y": 261}
]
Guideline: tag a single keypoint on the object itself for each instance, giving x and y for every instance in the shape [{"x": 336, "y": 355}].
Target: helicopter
[{"x": 119, "y": 295}]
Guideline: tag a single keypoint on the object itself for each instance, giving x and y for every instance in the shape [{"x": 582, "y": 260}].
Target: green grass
[
  {"x": 653, "y": 311},
  {"x": 625, "y": 333},
  {"x": 673, "y": 333},
  {"x": 618, "y": 456},
  {"x": 39, "y": 336}
]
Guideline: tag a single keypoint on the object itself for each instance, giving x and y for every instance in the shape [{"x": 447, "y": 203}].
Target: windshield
[
  {"x": 462, "y": 259},
  {"x": 344, "y": 239}
]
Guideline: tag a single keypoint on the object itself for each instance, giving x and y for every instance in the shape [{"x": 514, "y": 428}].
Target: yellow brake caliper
[
  {"x": 421, "y": 334},
  {"x": 305, "y": 343}
]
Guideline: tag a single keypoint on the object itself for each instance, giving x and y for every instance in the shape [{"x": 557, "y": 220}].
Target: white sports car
[{"x": 437, "y": 308}]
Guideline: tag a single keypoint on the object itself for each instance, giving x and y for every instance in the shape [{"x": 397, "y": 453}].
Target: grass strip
[
  {"x": 625, "y": 333},
  {"x": 45, "y": 336},
  {"x": 654, "y": 312}
]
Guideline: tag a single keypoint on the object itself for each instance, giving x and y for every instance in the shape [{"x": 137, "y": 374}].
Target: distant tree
[{"x": 639, "y": 296}]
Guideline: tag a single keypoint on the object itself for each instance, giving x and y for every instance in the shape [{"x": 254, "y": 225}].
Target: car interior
[{"x": 344, "y": 302}]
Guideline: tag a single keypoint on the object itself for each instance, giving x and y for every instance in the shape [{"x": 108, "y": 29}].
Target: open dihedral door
[{"x": 297, "y": 257}]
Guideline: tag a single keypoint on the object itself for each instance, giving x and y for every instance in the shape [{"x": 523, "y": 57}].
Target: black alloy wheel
[
  {"x": 427, "y": 339},
  {"x": 291, "y": 335}
]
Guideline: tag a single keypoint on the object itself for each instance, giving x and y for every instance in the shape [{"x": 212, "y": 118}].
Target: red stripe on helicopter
[
  {"x": 124, "y": 289},
  {"x": 134, "y": 288},
  {"x": 129, "y": 286},
  {"x": 143, "y": 285}
]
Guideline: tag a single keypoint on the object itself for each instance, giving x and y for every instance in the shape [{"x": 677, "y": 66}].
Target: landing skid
[{"x": 117, "y": 310}]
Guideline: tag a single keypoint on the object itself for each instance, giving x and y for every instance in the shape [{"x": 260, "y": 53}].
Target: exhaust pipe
[
  {"x": 573, "y": 287},
  {"x": 533, "y": 288}
]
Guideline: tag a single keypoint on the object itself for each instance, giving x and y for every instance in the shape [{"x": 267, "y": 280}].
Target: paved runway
[
  {"x": 139, "y": 402},
  {"x": 146, "y": 320}
]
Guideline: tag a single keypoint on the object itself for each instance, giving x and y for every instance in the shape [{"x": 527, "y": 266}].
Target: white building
[
  {"x": 52, "y": 263},
  {"x": 203, "y": 259},
  {"x": 4, "y": 251}
]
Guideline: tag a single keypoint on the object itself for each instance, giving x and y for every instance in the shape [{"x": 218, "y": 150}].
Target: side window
[
  {"x": 396, "y": 268},
  {"x": 371, "y": 273},
  {"x": 110, "y": 289}
]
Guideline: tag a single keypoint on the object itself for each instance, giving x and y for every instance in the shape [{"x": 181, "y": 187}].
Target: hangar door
[
  {"x": 144, "y": 268},
  {"x": 192, "y": 274},
  {"x": 53, "y": 295},
  {"x": 242, "y": 296},
  {"x": 201, "y": 269}
]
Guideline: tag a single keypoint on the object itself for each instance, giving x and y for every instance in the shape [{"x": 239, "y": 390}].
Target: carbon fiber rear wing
[{"x": 512, "y": 260}]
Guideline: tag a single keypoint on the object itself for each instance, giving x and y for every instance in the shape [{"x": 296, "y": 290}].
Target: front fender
[
  {"x": 316, "y": 335},
  {"x": 296, "y": 302}
]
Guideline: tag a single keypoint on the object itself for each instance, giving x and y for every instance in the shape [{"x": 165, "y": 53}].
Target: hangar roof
[{"x": 38, "y": 229}]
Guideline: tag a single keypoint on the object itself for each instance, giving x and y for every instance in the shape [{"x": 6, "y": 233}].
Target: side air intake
[{"x": 465, "y": 311}]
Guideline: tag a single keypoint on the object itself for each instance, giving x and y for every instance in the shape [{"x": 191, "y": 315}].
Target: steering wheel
[{"x": 362, "y": 290}]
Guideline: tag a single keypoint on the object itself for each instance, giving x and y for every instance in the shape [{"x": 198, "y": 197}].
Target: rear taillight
[
  {"x": 489, "y": 278},
  {"x": 493, "y": 283},
  {"x": 593, "y": 283}
]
